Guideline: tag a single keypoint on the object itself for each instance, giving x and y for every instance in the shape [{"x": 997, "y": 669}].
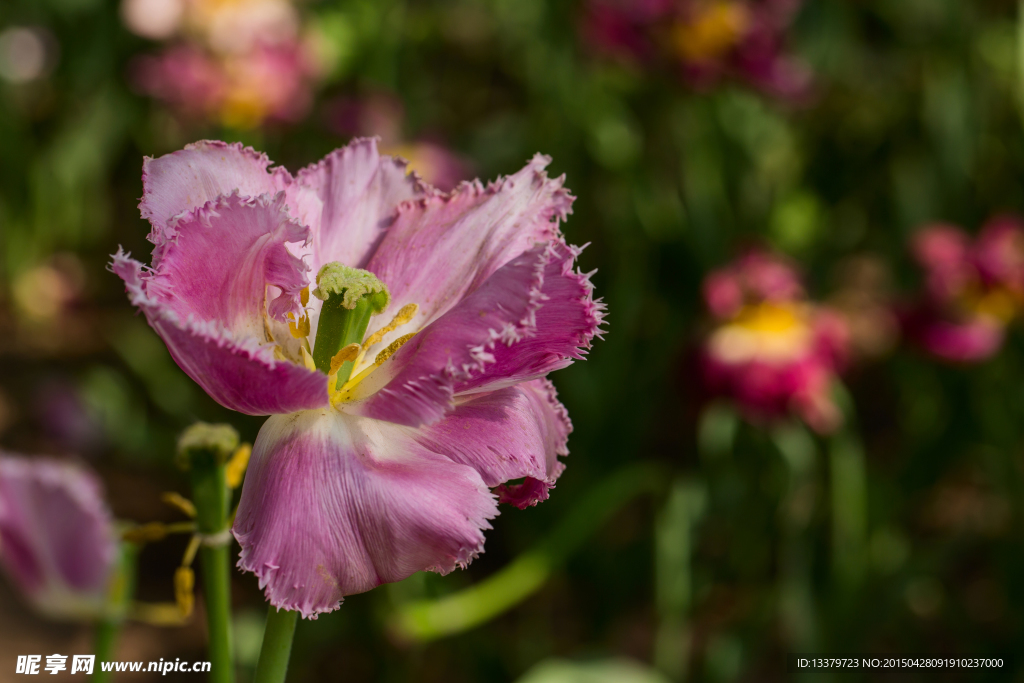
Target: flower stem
[
  {"x": 121, "y": 590},
  {"x": 849, "y": 514},
  {"x": 673, "y": 590},
  {"x": 796, "y": 594},
  {"x": 272, "y": 666},
  {"x": 426, "y": 620},
  {"x": 210, "y": 493}
]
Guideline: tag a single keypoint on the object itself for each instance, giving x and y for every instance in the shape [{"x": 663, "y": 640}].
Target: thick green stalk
[
  {"x": 339, "y": 327},
  {"x": 210, "y": 494},
  {"x": 272, "y": 666}
]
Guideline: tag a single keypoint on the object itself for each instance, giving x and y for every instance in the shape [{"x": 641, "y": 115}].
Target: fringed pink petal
[
  {"x": 200, "y": 173},
  {"x": 350, "y": 198},
  {"x": 534, "y": 315},
  {"x": 507, "y": 434},
  {"x": 236, "y": 370},
  {"x": 334, "y": 505},
  {"x": 443, "y": 247},
  {"x": 57, "y": 539}
]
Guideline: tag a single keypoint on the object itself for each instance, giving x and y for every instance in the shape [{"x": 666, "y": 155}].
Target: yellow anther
[
  {"x": 299, "y": 329},
  {"x": 154, "y": 531},
  {"x": 348, "y": 353},
  {"x": 184, "y": 585},
  {"x": 405, "y": 314},
  {"x": 307, "y": 359},
  {"x": 191, "y": 550},
  {"x": 180, "y": 502},
  {"x": 235, "y": 468},
  {"x": 304, "y": 296},
  {"x": 392, "y": 347}
]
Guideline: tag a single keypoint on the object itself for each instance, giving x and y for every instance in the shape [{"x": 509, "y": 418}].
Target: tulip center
[
  {"x": 768, "y": 331},
  {"x": 351, "y": 296},
  {"x": 714, "y": 30}
]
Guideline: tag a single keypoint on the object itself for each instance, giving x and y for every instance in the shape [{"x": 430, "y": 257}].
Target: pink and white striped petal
[{"x": 335, "y": 505}]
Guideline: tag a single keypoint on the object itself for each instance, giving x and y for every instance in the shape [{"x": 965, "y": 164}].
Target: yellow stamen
[
  {"x": 348, "y": 353},
  {"x": 299, "y": 329},
  {"x": 998, "y": 304},
  {"x": 404, "y": 316},
  {"x": 154, "y": 531},
  {"x": 307, "y": 359},
  {"x": 304, "y": 296},
  {"x": 236, "y": 466},
  {"x": 179, "y": 501},
  {"x": 184, "y": 584},
  {"x": 390, "y": 350}
]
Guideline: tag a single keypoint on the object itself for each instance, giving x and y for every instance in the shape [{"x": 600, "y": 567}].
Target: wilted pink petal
[
  {"x": 57, "y": 539},
  {"x": 335, "y": 505}
]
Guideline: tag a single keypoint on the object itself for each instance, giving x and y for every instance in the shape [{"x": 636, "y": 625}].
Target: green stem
[
  {"x": 121, "y": 592},
  {"x": 210, "y": 493},
  {"x": 796, "y": 595},
  {"x": 849, "y": 513},
  {"x": 272, "y": 666},
  {"x": 425, "y": 620},
  {"x": 673, "y": 589}
]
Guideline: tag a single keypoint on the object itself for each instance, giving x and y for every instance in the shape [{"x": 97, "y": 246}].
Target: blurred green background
[{"x": 916, "y": 116}]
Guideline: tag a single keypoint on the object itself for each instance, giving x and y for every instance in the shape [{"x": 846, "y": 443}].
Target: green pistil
[{"x": 351, "y": 296}]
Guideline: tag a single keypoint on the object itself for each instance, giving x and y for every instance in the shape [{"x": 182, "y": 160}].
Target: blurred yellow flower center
[
  {"x": 715, "y": 29},
  {"x": 997, "y": 304},
  {"x": 767, "y": 331}
]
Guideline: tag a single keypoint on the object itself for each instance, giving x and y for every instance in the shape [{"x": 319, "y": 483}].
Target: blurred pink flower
[
  {"x": 710, "y": 40},
  {"x": 972, "y": 290},
  {"x": 398, "y": 469},
  {"x": 270, "y": 83},
  {"x": 223, "y": 26},
  {"x": 381, "y": 114},
  {"x": 771, "y": 350},
  {"x": 57, "y": 539}
]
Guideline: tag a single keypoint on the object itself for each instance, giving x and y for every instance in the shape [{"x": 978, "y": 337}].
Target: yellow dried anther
[
  {"x": 235, "y": 469},
  {"x": 184, "y": 585},
  {"x": 405, "y": 314},
  {"x": 299, "y": 329},
  {"x": 154, "y": 531},
  {"x": 347, "y": 353},
  {"x": 392, "y": 347},
  {"x": 180, "y": 502}
]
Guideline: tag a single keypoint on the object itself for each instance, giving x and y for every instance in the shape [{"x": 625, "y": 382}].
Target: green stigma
[
  {"x": 352, "y": 285},
  {"x": 351, "y": 296}
]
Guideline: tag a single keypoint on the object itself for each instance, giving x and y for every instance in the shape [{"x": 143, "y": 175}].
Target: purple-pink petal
[
  {"x": 57, "y": 539},
  {"x": 205, "y": 299},
  {"x": 200, "y": 173},
  {"x": 534, "y": 315},
  {"x": 350, "y": 199},
  {"x": 443, "y": 247},
  {"x": 507, "y": 434},
  {"x": 335, "y": 505}
]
